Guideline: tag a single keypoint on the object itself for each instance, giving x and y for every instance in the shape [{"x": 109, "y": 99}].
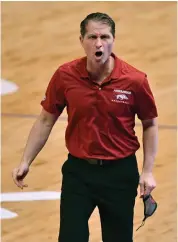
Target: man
[{"x": 102, "y": 94}]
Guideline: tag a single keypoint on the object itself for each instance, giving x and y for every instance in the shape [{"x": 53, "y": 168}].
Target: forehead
[{"x": 95, "y": 27}]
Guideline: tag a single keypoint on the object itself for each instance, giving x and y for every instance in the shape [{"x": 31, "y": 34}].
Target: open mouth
[{"x": 98, "y": 53}]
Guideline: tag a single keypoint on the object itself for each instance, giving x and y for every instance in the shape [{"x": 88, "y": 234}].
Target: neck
[{"x": 99, "y": 71}]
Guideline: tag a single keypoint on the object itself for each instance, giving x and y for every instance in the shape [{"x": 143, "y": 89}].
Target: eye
[
  {"x": 105, "y": 37},
  {"x": 92, "y": 37}
]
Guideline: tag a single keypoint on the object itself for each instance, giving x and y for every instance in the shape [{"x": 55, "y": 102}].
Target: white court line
[
  {"x": 7, "y": 87},
  {"x": 25, "y": 196},
  {"x": 29, "y": 196},
  {"x": 6, "y": 214}
]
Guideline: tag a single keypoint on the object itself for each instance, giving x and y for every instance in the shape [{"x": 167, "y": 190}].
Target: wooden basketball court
[{"x": 36, "y": 38}]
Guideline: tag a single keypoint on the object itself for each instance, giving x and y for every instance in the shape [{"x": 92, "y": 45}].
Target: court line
[{"x": 18, "y": 115}]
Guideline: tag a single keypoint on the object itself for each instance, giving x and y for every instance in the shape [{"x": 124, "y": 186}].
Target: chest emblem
[{"x": 121, "y": 96}]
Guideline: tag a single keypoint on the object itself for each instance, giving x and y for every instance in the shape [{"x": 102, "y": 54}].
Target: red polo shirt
[{"x": 101, "y": 118}]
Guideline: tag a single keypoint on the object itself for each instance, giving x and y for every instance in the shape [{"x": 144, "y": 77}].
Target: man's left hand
[{"x": 147, "y": 183}]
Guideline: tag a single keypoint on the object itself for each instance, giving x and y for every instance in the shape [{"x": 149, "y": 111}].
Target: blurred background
[{"x": 37, "y": 37}]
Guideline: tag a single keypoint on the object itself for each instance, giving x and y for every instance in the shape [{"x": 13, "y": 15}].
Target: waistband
[{"x": 102, "y": 162}]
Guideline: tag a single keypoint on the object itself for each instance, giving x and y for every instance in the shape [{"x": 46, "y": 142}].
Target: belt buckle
[{"x": 100, "y": 162}]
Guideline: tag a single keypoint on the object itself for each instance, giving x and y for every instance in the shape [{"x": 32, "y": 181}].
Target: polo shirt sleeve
[
  {"x": 54, "y": 100},
  {"x": 145, "y": 103}
]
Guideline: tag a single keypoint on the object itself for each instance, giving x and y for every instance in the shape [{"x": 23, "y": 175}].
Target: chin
[{"x": 99, "y": 61}]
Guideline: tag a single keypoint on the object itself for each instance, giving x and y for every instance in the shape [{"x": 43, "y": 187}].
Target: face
[{"x": 97, "y": 42}]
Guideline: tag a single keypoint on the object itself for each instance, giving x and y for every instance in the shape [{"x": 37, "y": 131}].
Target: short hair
[{"x": 99, "y": 17}]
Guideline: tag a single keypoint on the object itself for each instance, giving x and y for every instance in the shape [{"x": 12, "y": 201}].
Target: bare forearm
[
  {"x": 150, "y": 144},
  {"x": 36, "y": 140}
]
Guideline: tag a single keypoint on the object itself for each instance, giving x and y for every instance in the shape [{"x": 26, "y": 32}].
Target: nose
[{"x": 98, "y": 43}]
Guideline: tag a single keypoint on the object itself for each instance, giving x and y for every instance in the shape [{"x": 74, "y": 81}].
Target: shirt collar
[
  {"x": 84, "y": 73},
  {"x": 115, "y": 74}
]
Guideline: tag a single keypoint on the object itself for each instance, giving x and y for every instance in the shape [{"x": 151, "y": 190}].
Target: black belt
[{"x": 100, "y": 162}]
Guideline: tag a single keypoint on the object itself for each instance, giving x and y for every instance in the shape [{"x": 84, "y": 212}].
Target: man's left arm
[{"x": 150, "y": 144}]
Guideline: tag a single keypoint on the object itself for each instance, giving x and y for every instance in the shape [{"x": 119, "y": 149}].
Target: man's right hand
[
  {"x": 36, "y": 140},
  {"x": 19, "y": 174}
]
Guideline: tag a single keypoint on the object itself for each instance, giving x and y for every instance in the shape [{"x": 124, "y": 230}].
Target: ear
[
  {"x": 81, "y": 40},
  {"x": 113, "y": 41}
]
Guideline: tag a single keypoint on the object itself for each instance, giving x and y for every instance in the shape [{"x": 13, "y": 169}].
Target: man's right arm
[{"x": 37, "y": 138}]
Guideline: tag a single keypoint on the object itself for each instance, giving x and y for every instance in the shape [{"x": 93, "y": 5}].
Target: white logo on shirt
[
  {"x": 122, "y": 91},
  {"x": 121, "y": 97}
]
